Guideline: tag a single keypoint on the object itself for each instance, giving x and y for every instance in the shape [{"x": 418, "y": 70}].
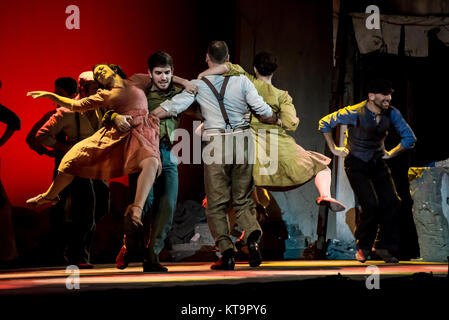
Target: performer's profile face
[
  {"x": 162, "y": 77},
  {"x": 103, "y": 74},
  {"x": 381, "y": 100}
]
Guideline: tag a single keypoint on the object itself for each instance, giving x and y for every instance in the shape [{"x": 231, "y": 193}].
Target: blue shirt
[
  {"x": 361, "y": 138},
  {"x": 239, "y": 95}
]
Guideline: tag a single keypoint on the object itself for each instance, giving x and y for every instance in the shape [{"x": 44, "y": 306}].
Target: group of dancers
[{"x": 144, "y": 110}]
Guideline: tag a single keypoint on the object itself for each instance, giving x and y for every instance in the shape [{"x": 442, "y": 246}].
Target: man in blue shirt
[{"x": 370, "y": 178}]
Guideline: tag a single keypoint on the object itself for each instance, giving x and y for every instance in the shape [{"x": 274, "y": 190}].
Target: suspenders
[{"x": 220, "y": 97}]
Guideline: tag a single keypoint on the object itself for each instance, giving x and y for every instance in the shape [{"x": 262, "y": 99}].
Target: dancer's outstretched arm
[
  {"x": 92, "y": 102},
  {"x": 62, "y": 101}
]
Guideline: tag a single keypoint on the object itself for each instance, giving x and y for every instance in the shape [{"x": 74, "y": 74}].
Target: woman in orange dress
[{"x": 111, "y": 153}]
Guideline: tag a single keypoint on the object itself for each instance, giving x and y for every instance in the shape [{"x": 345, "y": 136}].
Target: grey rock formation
[{"x": 430, "y": 193}]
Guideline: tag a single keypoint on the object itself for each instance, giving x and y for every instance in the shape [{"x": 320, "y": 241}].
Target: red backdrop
[{"x": 37, "y": 48}]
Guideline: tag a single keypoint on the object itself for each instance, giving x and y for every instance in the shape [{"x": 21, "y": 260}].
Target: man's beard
[{"x": 380, "y": 105}]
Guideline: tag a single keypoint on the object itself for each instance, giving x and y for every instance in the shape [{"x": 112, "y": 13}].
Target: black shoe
[
  {"x": 255, "y": 258},
  {"x": 226, "y": 262},
  {"x": 385, "y": 255},
  {"x": 153, "y": 267},
  {"x": 239, "y": 244}
]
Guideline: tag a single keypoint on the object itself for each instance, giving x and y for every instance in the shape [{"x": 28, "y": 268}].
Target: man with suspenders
[{"x": 228, "y": 177}]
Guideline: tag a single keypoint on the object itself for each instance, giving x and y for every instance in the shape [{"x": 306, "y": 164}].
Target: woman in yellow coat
[{"x": 295, "y": 166}]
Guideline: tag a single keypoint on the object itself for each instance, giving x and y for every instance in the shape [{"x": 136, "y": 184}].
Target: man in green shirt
[{"x": 164, "y": 194}]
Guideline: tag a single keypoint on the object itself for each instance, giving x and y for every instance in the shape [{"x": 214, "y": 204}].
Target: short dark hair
[
  {"x": 117, "y": 69},
  {"x": 380, "y": 86},
  {"x": 218, "y": 51},
  {"x": 160, "y": 59},
  {"x": 69, "y": 85},
  {"x": 265, "y": 63}
]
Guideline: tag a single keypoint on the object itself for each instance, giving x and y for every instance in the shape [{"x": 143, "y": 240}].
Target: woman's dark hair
[
  {"x": 265, "y": 63},
  {"x": 117, "y": 69}
]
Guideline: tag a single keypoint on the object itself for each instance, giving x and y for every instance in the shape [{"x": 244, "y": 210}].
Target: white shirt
[{"x": 240, "y": 97}]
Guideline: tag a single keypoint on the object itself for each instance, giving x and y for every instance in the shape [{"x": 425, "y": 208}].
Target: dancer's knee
[{"x": 150, "y": 162}]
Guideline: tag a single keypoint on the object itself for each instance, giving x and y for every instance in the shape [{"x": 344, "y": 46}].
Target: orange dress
[{"x": 110, "y": 153}]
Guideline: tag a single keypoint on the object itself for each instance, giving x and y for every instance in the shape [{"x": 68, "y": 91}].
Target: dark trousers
[
  {"x": 375, "y": 191},
  {"x": 8, "y": 248},
  {"x": 89, "y": 202}
]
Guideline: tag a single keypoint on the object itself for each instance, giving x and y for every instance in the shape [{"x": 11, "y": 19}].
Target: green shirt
[{"x": 167, "y": 125}]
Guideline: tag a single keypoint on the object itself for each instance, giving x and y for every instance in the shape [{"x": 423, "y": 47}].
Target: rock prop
[{"x": 430, "y": 192}]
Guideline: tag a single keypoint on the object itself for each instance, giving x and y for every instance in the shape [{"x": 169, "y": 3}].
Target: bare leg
[
  {"x": 133, "y": 214},
  {"x": 145, "y": 182},
  {"x": 61, "y": 181},
  {"x": 323, "y": 184}
]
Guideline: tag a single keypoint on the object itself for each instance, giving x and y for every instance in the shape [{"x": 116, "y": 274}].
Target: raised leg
[
  {"x": 61, "y": 181},
  {"x": 323, "y": 181}
]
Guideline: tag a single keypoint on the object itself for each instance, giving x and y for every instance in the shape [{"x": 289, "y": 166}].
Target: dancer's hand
[
  {"x": 137, "y": 220},
  {"x": 279, "y": 122},
  {"x": 39, "y": 94},
  {"x": 134, "y": 212},
  {"x": 190, "y": 87},
  {"x": 340, "y": 152},
  {"x": 121, "y": 121},
  {"x": 387, "y": 155},
  {"x": 198, "y": 131}
]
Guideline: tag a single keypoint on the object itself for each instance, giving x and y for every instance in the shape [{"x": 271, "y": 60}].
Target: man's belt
[{"x": 222, "y": 132}]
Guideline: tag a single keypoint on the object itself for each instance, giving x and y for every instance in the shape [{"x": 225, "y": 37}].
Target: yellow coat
[{"x": 293, "y": 165}]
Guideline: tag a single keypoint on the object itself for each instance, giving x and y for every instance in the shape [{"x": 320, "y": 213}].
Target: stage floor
[
  {"x": 280, "y": 289},
  {"x": 105, "y": 277},
  {"x": 275, "y": 290}
]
